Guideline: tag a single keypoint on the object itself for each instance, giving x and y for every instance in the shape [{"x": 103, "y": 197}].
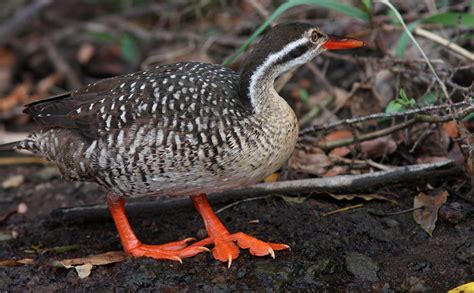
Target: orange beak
[{"x": 341, "y": 43}]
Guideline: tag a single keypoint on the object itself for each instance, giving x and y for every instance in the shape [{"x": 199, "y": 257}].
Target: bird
[{"x": 183, "y": 129}]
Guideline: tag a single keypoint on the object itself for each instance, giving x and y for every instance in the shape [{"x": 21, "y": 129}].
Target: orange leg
[
  {"x": 224, "y": 248},
  {"x": 172, "y": 251}
]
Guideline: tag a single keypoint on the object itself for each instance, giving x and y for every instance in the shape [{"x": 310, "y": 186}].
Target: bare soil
[{"x": 352, "y": 251}]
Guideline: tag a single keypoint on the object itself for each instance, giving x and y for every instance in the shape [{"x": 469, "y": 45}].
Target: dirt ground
[{"x": 352, "y": 251}]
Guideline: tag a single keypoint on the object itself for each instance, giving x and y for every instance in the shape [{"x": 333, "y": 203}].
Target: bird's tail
[{"x": 10, "y": 146}]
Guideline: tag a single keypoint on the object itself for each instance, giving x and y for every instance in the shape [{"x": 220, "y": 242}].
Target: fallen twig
[
  {"x": 448, "y": 44},
  {"x": 338, "y": 184},
  {"x": 329, "y": 145},
  {"x": 62, "y": 66},
  {"x": 376, "y": 116},
  {"x": 21, "y": 19},
  {"x": 342, "y": 210}
]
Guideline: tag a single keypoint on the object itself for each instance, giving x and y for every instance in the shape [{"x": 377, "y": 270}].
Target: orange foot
[
  {"x": 173, "y": 251},
  {"x": 224, "y": 248}
]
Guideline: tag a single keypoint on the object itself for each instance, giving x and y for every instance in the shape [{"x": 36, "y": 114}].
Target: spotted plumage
[{"x": 179, "y": 129}]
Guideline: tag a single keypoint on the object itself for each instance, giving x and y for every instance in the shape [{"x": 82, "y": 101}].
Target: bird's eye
[{"x": 314, "y": 36}]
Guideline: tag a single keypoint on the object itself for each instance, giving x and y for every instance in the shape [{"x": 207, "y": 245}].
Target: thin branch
[
  {"x": 446, "y": 43},
  {"x": 367, "y": 136},
  {"x": 337, "y": 184},
  {"x": 386, "y": 131},
  {"x": 62, "y": 66},
  {"x": 406, "y": 113},
  {"x": 410, "y": 35},
  {"x": 21, "y": 20}
]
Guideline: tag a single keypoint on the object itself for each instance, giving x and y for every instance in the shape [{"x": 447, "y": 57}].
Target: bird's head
[{"x": 289, "y": 45}]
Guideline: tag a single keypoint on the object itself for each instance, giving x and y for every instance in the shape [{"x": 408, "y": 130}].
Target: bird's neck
[
  {"x": 260, "y": 70},
  {"x": 257, "y": 86}
]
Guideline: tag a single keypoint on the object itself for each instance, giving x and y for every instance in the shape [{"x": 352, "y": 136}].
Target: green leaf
[
  {"x": 398, "y": 105},
  {"x": 65, "y": 248},
  {"x": 367, "y": 6},
  {"x": 469, "y": 117},
  {"x": 403, "y": 96},
  {"x": 128, "y": 48},
  {"x": 393, "y": 107},
  {"x": 451, "y": 19},
  {"x": 102, "y": 36},
  {"x": 405, "y": 101},
  {"x": 428, "y": 99},
  {"x": 330, "y": 4},
  {"x": 404, "y": 39},
  {"x": 304, "y": 95}
]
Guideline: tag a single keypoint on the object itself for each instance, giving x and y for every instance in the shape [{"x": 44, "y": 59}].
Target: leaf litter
[
  {"x": 427, "y": 207},
  {"x": 84, "y": 265}
]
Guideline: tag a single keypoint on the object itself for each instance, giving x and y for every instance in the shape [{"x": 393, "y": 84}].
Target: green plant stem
[{"x": 410, "y": 35}]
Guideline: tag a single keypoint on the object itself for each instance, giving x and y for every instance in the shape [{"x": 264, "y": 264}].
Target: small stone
[
  {"x": 322, "y": 266},
  {"x": 362, "y": 266},
  {"x": 414, "y": 284},
  {"x": 465, "y": 252},
  {"x": 15, "y": 234},
  {"x": 454, "y": 212},
  {"x": 283, "y": 272},
  {"x": 22, "y": 208},
  {"x": 465, "y": 229},
  {"x": 5, "y": 236},
  {"x": 13, "y": 182}
]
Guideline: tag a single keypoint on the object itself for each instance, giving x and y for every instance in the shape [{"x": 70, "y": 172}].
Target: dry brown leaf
[
  {"x": 15, "y": 263},
  {"x": 431, "y": 159},
  {"x": 426, "y": 213},
  {"x": 334, "y": 171},
  {"x": 17, "y": 96},
  {"x": 84, "y": 271},
  {"x": 451, "y": 129},
  {"x": 84, "y": 265},
  {"x": 338, "y": 134},
  {"x": 97, "y": 260},
  {"x": 456, "y": 155},
  {"x": 340, "y": 151},
  {"x": 366, "y": 197},
  {"x": 365, "y": 101},
  {"x": 310, "y": 160},
  {"x": 7, "y": 62},
  {"x": 45, "y": 84},
  {"x": 379, "y": 147}
]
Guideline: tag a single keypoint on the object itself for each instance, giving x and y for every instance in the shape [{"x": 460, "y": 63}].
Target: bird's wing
[{"x": 182, "y": 91}]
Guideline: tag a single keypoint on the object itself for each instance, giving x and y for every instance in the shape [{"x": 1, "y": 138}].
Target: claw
[
  {"x": 272, "y": 252},
  {"x": 204, "y": 249},
  {"x": 189, "y": 239},
  {"x": 177, "y": 258},
  {"x": 229, "y": 261}
]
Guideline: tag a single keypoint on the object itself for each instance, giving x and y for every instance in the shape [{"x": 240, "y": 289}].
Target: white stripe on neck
[{"x": 271, "y": 59}]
